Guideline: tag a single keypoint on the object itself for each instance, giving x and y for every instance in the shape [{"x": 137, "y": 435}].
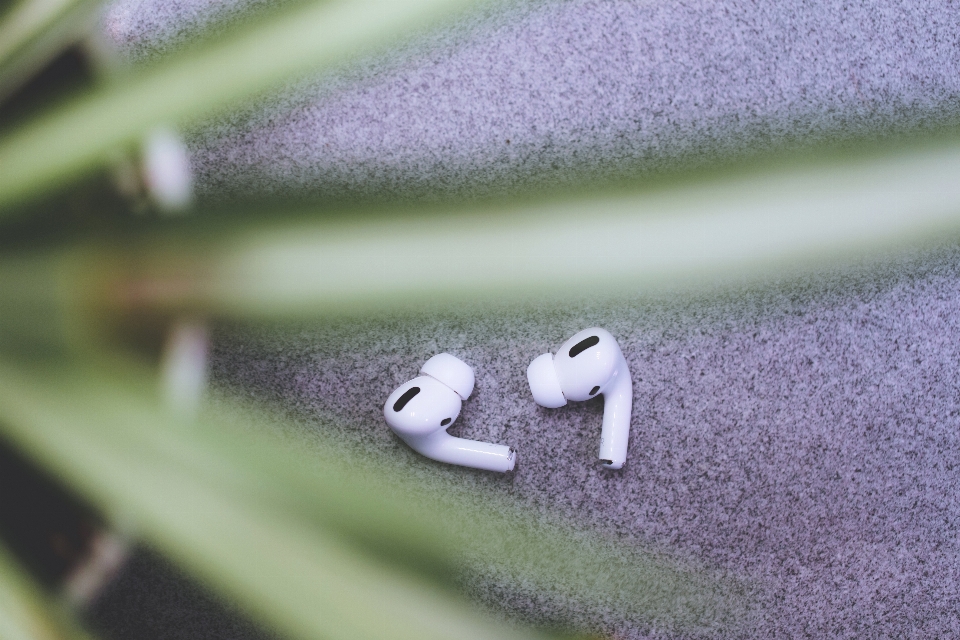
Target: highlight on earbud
[
  {"x": 589, "y": 364},
  {"x": 420, "y": 411}
]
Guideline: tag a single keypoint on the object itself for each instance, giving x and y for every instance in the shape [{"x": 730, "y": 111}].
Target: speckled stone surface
[
  {"x": 802, "y": 434},
  {"x": 542, "y": 94}
]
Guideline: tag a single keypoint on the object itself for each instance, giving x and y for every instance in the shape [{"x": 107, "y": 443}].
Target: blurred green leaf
[
  {"x": 303, "y": 542},
  {"x": 302, "y": 579},
  {"x": 34, "y": 31},
  {"x": 25, "y": 613},
  {"x": 308, "y": 37},
  {"x": 756, "y": 225},
  {"x": 753, "y": 224}
]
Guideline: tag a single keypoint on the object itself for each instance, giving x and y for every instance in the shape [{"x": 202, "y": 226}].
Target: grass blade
[
  {"x": 303, "y": 580},
  {"x": 269, "y": 528},
  {"x": 34, "y": 31},
  {"x": 307, "y": 38},
  {"x": 25, "y": 614},
  {"x": 758, "y": 224}
]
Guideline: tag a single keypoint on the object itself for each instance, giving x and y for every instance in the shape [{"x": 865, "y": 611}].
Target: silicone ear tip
[
  {"x": 544, "y": 383},
  {"x": 451, "y": 371}
]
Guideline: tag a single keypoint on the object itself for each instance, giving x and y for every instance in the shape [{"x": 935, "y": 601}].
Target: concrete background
[{"x": 801, "y": 433}]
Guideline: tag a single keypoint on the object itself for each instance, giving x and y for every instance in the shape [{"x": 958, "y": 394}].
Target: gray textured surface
[
  {"x": 140, "y": 31},
  {"x": 550, "y": 93},
  {"x": 802, "y": 434}
]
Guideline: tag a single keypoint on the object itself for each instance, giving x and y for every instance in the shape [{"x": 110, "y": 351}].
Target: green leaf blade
[{"x": 80, "y": 136}]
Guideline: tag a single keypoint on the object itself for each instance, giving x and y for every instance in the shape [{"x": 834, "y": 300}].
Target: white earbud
[
  {"x": 588, "y": 364},
  {"x": 421, "y": 410}
]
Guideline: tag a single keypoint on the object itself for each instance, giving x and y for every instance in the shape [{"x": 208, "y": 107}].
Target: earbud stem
[
  {"x": 443, "y": 447},
  {"x": 617, "y": 407}
]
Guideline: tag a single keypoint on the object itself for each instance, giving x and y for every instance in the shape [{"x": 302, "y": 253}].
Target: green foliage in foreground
[
  {"x": 314, "y": 544},
  {"x": 25, "y": 613},
  {"x": 311, "y": 36},
  {"x": 320, "y": 547}
]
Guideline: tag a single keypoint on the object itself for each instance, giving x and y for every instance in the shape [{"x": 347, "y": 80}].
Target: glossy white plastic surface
[
  {"x": 617, "y": 408},
  {"x": 424, "y": 412},
  {"x": 421, "y": 410},
  {"x": 444, "y": 447},
  {"x": 587, "y": 365},
  {"x": 451, "y": 371},
  {"x": 544, "y": 384}
]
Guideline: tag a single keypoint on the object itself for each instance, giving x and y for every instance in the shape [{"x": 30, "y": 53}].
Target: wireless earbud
[
  {"x": 589, "y": 364},
  {"x": 421, "y": 410}
]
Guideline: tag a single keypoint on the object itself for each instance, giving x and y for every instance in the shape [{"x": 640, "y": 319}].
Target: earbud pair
[{"x": 587, "y": 365}]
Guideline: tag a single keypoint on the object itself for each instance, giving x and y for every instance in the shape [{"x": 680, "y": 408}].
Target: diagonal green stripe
[
  {"x": 252, "y": 518},
  {"x": 301, "y": 578},
  {"x": 756, "y": 225},
  {"x": 762, "y": 225},
  {"x": 308, "y": 38},
  {"x": 25, "y": 614},
  {"x": 34, "y": 32}
]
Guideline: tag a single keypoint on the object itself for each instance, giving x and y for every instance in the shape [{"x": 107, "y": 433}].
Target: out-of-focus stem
[
  {"x": 308, "y": 37},
  {"x": 755, "y": 225},
  {"x": 25, "y": 614},
  {"x": 35, "y": 31}
]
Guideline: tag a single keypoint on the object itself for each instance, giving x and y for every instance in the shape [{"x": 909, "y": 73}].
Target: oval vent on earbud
[
  {"x": 583, "y": 345},
  {"x": 445, "y": 422},
  {"x": 405, "y": 398},
  {"x": 594, "y": 390}
]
